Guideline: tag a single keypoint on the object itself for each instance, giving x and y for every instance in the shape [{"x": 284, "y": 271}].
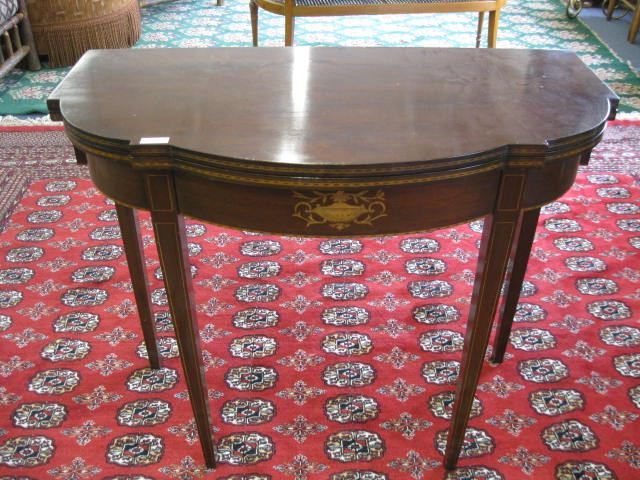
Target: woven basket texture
[{"x": 65, "y": 29}]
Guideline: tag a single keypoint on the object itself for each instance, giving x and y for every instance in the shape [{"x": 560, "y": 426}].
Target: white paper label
[{"x": 154, "y": 140}]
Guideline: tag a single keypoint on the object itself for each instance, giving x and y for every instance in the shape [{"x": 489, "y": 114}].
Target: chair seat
[
  {"x": 329, "y": 8},
  {"x": 8, "y": 8}
]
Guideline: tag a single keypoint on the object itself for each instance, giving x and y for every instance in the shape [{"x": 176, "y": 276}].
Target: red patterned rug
[{"x": 325, "y": 359}]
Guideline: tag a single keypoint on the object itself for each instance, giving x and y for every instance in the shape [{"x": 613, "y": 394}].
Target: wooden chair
[
  {"x": 326, "y": 8},
  {"x": 635, "y": 21},
  {"x": 635, "y": 24},
  {"x": 16, "y": 38}
]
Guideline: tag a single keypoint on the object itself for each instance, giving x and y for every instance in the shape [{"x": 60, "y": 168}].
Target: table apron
[{"x": 349, "y": 210}]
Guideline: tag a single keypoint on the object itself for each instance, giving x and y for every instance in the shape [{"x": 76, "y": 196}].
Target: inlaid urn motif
[{"x": 340, "y": 209}]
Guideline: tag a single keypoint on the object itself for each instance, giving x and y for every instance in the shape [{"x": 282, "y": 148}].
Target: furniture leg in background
[
  {"x": 289, "y": 23},
  {"x": 479, "y": 30},
  {"x": 33, "y": 62},
  {"x": 635, "y": 25},
  {"x": 494, "y": 17},
  {"x": 291, "y": 9},
  {"x": 635, "y": 20},
  {"x": 16, "y": 40},
  {"x": 253, "y": 9}
]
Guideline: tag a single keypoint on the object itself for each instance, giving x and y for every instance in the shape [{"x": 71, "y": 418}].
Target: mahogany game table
[{"x": 338, "y": 142}]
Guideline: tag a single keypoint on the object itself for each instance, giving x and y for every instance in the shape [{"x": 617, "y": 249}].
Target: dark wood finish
[
  {"x": 520, "y": 253},
  {"x": 300, "y": 112},
  {"x": 134, "y": 251},
  {"x": 497, "y": 236},
  {"x": 337, "y": 142},
  {"x": 81, "y": 157},
  {"x": 168, "y": 227}
]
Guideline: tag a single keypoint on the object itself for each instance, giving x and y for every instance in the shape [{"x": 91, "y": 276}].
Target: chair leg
[
  {"x": 480, "y": 25},
  {"x": 289, "y": 25},
  {"x": 253, "y": 8},
  {"x": 494, "y": 17},
  {"x": 611, "y": 6},
  {"x": 635, "y": 25},
  {"x": 33, "y": 62}
]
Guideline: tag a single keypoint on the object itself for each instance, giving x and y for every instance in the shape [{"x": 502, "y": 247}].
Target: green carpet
[{"x": 200, "y": 23}]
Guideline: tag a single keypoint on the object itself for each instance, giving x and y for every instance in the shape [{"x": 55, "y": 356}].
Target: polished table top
[{"x": 336, "y": 107}]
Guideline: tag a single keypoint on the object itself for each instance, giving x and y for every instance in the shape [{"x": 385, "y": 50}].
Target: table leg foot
[{"x": 135, "y": 260}]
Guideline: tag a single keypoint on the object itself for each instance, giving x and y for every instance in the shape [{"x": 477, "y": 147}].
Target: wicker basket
[{"x": 65, "y": 29}]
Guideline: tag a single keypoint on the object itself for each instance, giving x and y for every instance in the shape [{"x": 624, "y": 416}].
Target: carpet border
[{"x": 31, "y": 128}]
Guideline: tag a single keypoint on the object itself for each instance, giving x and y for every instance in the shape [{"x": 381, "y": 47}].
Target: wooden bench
[{"x": 291, "y": 9}]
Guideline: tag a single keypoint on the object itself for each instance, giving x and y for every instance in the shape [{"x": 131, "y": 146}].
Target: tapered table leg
[
  {"x": 135, "y": 260},
  {"x": 168, "y": 226},
  {"x": 498, "y": 235},
  {"x": 520, "y": 259}
]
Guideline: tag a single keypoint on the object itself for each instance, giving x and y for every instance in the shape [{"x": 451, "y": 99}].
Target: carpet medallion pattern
[
  {"x": 200, "y": 23},
  {"x": 325, "y": 358}
]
